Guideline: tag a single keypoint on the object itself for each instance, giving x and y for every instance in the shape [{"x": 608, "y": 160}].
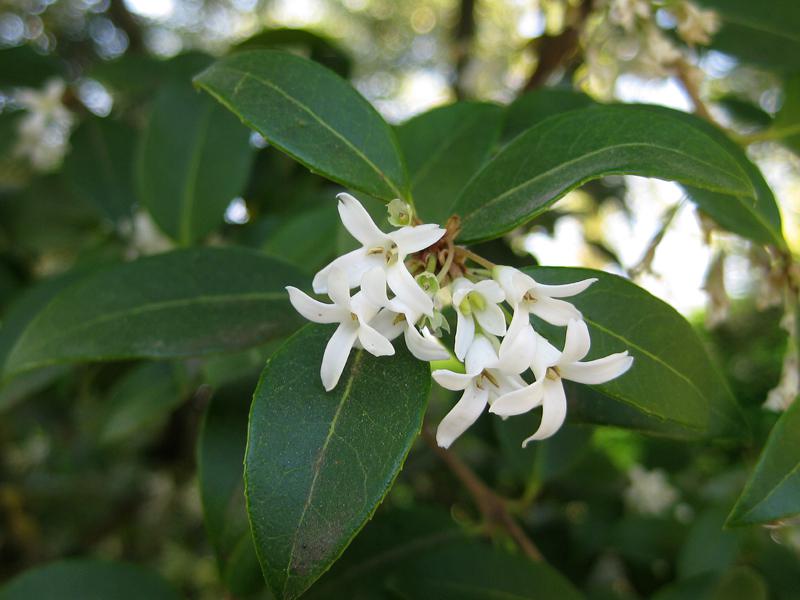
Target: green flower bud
[{"x": 399, "y": 213}]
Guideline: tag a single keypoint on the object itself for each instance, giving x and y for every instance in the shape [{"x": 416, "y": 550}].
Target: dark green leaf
[
  {"x": 308, "y": 239},
  {"x": 773, "y": 491},
  {"x": 183, "y": 303},
  {"x": 443, "y": 149},
  {"x": 99, "y": 168},
  {"x": 25, "y": 67},
  {"x": 313, "y": 115},
  {"x": 305, "y": 43},
  {"x": 193, "y": 160},
  {"x": 533, "y": 107},
  {"x": 144, "y": 396},
  {"x": 787, "y": 121},
  {"x": 220, "y": 453},
  {"x": 567, "y": 150},
  {"x": 672, "y": 379},
  {"x": 319, "y": 463},
  {"x": 86, "y": 579},
  {"x": 708, "y": 547},
  {"x": 135, "y": 77}
]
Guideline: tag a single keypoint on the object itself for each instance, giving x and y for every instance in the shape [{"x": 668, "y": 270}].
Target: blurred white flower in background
[
  {"x": 649, "y": 492},
  {"x": 44, "y": 130}
]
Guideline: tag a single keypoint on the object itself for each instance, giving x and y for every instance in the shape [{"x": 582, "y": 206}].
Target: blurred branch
[
  {"x": 683, "y": 71},
  {"x": 465, "y": 32},
  {"x": 558, "y": 50},
  {"x": 491, "y": 506},
  {"x": 646, "y": 262},
  {"x": 128, "y": 23}
]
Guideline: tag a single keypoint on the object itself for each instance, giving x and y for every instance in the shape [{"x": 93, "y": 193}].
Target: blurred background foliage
[{"x": 101, "y": 460}]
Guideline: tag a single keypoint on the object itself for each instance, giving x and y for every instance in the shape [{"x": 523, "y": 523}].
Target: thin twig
[
  {"x": 491, "y": 506},
  {"x": 477, "y": 258},
  {"x": 683, "y": 73}
]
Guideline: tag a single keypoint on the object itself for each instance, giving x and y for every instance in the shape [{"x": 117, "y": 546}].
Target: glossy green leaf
[
  {"x": 306, "y": 240},
  {"x": 443, "y": 149},
  {"x": 531, "y": 108},
  {"x": 567, "y": 150},
  {"x": 773, "y": 490},
  {"x": 673, "y": 379},
  {"x": 194, "y": 159},
  {"x": 311, "y": 114},
  {"x": 319, "y": 463},
  {"x": 220, "y": 453},
  {"x": 87, "y": 579},
  {"x": 99, "y": 168},
  {"x": 183, "y": 303},
  {"x": 141, "y": 399}
]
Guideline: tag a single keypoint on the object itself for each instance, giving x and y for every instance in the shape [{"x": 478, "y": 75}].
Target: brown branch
[
  {"x": 491, "y": 506},
  {"x": 127, "y": 22},
  {"x": 558, "y": 50},
  {"x": 465, "y": 31},
  {"x": 684, "y": 75}
]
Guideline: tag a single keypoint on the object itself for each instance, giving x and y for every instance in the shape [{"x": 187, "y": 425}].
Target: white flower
[
  {"x": 489, "y": 375},
  {"x": 44, "y": 130},
  {"x": 527, "y": 296},
  {"x": 649, "y": 492},
  {"x": 379, "y": 249},
  {"x": 352, "y": 314},
  {"x": 420, "y": 342},
  {"x": 696, "y": 26},
  {"x": 626, "y": 12},
  {"x": 551, "y": 366},
  {"x": 476, "y": 302}
]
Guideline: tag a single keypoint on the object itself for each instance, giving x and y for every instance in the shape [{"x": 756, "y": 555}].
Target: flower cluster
[
  {"x": 44, "y": 130},
  {"x": 424, "y": 273}
]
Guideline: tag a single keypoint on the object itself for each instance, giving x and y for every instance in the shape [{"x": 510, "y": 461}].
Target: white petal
[
  {"x": 465, "y": 333},
  {"x": 565, "y": 290},
  {"x": 463, "y": 414},
  {"x": 514, "y": 282},
  {"x": 557, "y": 312},
  {"x": 373, "y": 342},
  {"x": 554, "y": 411},
  {"x": 544, "y": 355},
  {"x": 517, "y": 350},
  {"x": 597, "y": 371},
  {"x": 406, "y": 289},
  {"x": 387, "y": 324},
  {"x": 491, "y": 291},
  {"x": 450, "y": 380},
  {"x": 424, "y": 346},
  {"x": 373, "y": 284},
  {"x": 576, "y": 343},
  {"x": 481, "y": 355},
  {"x": 336, "y": 353},
  {"x": 354, "y": 264},
  {"x": 414, "y": 239},
  {"x": 492, "y": 319},
  {"x": 519, "y": 401},
  {"x": 338, "y": 289},
  {"x": 313, "y": 310},
  {"x": 461, "y": 287},
  {"x": 519, "y": 320},
  {"x": 357, "y": 221},
  {"x": 364, "y": 309}
]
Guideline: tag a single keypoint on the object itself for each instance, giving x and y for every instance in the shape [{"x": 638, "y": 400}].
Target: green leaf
[
  {"x": 25, "y": 67},
  {"x": 471, "y": 570},
  {"x": 99, "y": 168},
  {"x": 141, "y": 398},
  {"x": 307, "y": 240},
  {"x": 787, "y": 121},
  {"x": 183, "y": 303},
  {"x": 313, "y": 115},
  {"x": 319, "y": 463},
  {"x": 87, "y": 579},
  {"x": 708, "y": 547},
  {"x": 773, "y": 490},
  {"x": 764, "y": 37},
  {"x": 220, "y": 453},
  {"x": 193, "y": 160},
  {"x": 443, "y": 149},
  {"x": 673, "y": 379},
  {"x": 313, "y": 45},
  {"x": 531, "y": 108},
  {"x": 562, "y": 152}
]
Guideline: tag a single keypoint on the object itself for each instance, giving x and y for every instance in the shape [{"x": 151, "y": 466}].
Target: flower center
[
  {"x": 552, "y": 374},
  {"x": 486, "y": 375},
  {"x": 472, "y": 301}
]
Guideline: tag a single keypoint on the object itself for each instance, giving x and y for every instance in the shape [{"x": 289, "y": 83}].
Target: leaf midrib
[
  {"x": 245, "y": 75},
  {"x": 561, "y": 166}
]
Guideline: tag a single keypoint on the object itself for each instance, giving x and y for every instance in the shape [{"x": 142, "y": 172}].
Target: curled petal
[
  {"x": 450, "y": 380},
  {"x": 463, "y": 414},
  {"x": 557, "y": 312},
  {"x": 357, "y": 221},
  {"x": 491, "y": 291},
  {"x": 406, "y": 289},
  {"x": 373, "y": 342},
  {"x": 554, "y": 411},
  {"x": 336, "y": 353},
  {"x": 387, "y": 324},
  {"x": 338, "y": 288},
  {"x": 414, "y": 239},
  {"x": 354, "y": 264},
  {"x": 565, "y": 290},
  {"x": 424, "y": 346},
  {"x": 545, "y": 355},
  {"x": 514, "y": 282},
  {"x": 313, "y": 310},
  {"x": 517, "y": 350},
  {"x": 461, "y": 287},
  {"x": 519, "y": 401},
  {"x": 373, "y": 284},
  {"x": 598, "y": 371},
  {"x": 465, "y": 333},
  {"x": 492, "y": 319},
  {"x": 481, "y": 355},
  {"x": 576, "y": 344}
]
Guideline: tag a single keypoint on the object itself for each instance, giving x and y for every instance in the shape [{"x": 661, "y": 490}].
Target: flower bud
[{"x": 399, "y": 213}]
